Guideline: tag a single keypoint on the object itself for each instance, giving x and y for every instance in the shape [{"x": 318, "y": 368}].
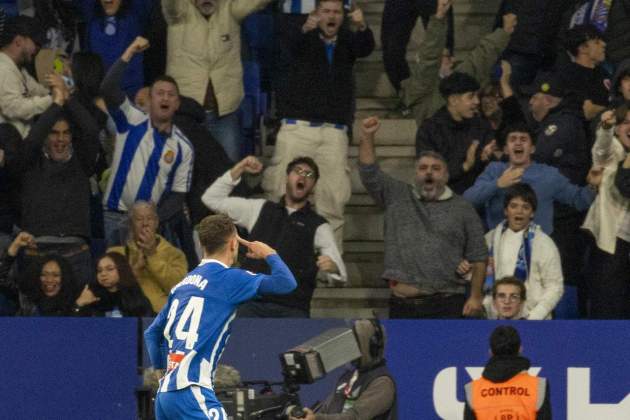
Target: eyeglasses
[
  {"x": 304, "y": 172},
  {"x": 508, "y": 298}
]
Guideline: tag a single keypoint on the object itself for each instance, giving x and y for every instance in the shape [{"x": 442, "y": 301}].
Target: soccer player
[{"x": 195, "y": 323}]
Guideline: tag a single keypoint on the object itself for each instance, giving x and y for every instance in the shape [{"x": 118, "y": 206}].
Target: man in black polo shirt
[{"x": 303, "y": 239}]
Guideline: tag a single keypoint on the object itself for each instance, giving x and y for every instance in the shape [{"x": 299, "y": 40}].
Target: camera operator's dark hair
[
  {"x": 215, "y": 231},
  {"x": 523, "y": 191},
  {"x": 505, "y": 341}
]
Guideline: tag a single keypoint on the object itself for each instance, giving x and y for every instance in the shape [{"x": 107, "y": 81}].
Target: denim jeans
[{"x": 227, "y": 131}]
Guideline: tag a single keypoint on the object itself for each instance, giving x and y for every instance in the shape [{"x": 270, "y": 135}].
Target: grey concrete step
[
  {"x": 386, "y": 151},
  {"x": 349, "y": 302},
  {"x": 363, "y": 246},
  {"x": 363, "y": 224},
  {"x": 399, "y": 168},
  {"x": 391, "y": 132}
]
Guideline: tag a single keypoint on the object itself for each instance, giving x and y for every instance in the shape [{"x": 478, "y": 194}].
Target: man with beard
[
  {"x": 506, "y": 389},
  {"x": 317, "y": 105},
  {"x": 303, "y": 239},
  {"x": 458, "y": 133},
  {"x": 153, "y": 159},
  {"x": 21, "y": 97},
  {"x": 429, "y": 230}
]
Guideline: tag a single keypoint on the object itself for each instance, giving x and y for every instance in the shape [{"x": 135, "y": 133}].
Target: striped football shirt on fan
[{"x": 146, "y": 163}]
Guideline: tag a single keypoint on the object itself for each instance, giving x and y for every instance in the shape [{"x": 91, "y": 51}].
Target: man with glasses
[
  {"x": 303, "y": 239},
  {"x": 508, "y": 299}
]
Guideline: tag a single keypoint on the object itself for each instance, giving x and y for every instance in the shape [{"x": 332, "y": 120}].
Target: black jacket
[
  {"x": 503, "y": 368},
  {"x": 561, "y": 142},
  {"x": 210, "y": 159},
  {"x": 451, "y": 139},
  {"x": 56, "y": 195},
  {"x": 538, "y": 24},
  {"x": 316, "y": 90},
  {"x": 10, "y": 144}
]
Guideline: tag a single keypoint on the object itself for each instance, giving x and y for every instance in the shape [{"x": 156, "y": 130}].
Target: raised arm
[
  {"x": 281, "y": 280},
  {"x": 243, "y": 8},
  {"x": 176, "y": 11},
  {"x": 480, "y": 60},
  {"x": 86, "y": 141},
  {"x": 34, "y": 142},
  {"x": 244, "y": 212},
  {"x": 110, "y": 87},
  {"x": 426, "y": 67},
  {"x": 603, "y": 149}
]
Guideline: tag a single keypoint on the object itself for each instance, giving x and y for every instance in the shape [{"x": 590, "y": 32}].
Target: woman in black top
[{"x": 115, "y": 292}]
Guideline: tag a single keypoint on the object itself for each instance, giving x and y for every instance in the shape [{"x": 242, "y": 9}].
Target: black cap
[
  {"x": 547, "y": 83},
  {"x": 22, "y": 25}
]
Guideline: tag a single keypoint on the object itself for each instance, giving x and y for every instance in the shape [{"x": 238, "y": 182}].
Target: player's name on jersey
[{"x": 194, "y": 280}]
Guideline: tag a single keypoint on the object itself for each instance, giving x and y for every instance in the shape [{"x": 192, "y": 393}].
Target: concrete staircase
[{"x": 366, "y": 293}]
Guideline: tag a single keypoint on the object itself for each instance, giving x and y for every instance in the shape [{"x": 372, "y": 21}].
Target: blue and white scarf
[{"x": 523, "y": 259}]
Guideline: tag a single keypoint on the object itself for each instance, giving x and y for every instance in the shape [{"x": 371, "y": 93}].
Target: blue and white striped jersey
[
  {"x": 304, "y": 7},
  {"x": 195, "y": 323},
  {"x": 146, "y": 163}
]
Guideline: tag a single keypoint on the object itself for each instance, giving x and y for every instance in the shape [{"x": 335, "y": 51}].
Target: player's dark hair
[
  {"x": 505, "y": 341},
  {"x": 214, "y": 232}
]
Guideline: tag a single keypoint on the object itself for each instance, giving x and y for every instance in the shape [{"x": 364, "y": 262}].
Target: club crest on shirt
[
  {"x": 551, "y": 129},
  {"x": 169, "y": 156}
]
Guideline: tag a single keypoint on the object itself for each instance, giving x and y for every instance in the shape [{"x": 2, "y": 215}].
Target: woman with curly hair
[{"x": 46, "y": 288}]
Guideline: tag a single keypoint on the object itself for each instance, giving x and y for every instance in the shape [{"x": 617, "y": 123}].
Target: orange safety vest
[{"x": 519, "y": 398}]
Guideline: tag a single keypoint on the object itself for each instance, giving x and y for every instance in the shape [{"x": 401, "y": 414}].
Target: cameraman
[{"x": 366, "y": 392}]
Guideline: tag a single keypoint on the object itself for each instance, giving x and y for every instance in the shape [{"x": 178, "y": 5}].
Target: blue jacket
[{"x": 548, "y": 183}]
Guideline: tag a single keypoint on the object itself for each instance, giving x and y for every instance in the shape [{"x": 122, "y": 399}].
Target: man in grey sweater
[{"x": 429, "y": 231}]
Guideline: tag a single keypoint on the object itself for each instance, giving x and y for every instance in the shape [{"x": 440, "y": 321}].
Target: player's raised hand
[
  {"x": 250, "y": 165},
  {"x": 256, "y": 250}
]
